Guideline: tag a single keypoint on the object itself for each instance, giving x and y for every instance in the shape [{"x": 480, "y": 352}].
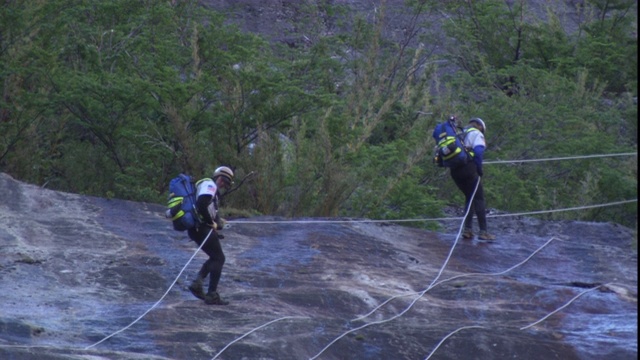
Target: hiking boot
[
  {"x": 213, "y": 298},
  {"x": 196, "y": 289},
  {"x": 484, "y": 235},
  {"x": 467, "y": 234}
]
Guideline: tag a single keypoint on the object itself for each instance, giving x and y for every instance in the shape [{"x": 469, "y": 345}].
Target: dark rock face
[
  {"x": 299, "y": 23},
  {"x": 75, "y": 270}
]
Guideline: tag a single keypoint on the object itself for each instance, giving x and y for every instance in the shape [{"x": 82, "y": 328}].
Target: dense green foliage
[{"x": 115, "y": 98}]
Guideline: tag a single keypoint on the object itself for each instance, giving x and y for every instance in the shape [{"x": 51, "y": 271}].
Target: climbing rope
[
  {"x": 458, "y": 277},
  {"x": 539, "y": 212},
  {"x": 161, "y": 298},
  {"x": 527, "y": 326},
  {"x": 558, "y": 158},
  {"x": 451, "y": 334},
  {"x": 420, "y": 295},
  {"x": 253, "y": 330},
  {"x": 466, "y": 214}
]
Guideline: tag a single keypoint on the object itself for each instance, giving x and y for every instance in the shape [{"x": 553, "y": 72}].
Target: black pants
[
  {"x": 466, "y": 178},
  {"x": 213, "y": 248}
]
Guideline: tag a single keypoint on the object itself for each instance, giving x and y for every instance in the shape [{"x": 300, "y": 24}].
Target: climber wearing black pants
[
  {"x": 207, "y": 232},
  {"x": 469, "y": 175},
  {"x": 466, "y": 177}
]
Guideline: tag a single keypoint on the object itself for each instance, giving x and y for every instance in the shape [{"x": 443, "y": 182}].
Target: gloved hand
[{"x": 219, "y": 222}]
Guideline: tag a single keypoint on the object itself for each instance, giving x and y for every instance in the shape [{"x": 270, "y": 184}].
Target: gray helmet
[{"x": 479, "y": 121}]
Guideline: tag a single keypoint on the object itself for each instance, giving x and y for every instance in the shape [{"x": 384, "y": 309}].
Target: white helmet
[
  {"x": 479, "y": 121},
  {"x": 225, "y": 172}
]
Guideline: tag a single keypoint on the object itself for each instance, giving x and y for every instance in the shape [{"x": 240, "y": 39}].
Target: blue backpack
[
  {"x": 450, "y": 151},
  {"x": 182, "y": 203}
]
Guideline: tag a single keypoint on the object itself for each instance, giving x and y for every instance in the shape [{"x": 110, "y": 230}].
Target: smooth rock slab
[{"x": 76, "y": 269}]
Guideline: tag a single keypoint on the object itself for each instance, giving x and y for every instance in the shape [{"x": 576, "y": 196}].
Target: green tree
[{"x": 115, "y": 98}]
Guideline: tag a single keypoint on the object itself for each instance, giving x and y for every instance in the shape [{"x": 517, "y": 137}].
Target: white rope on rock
[
  {"x": 561, "y": 307},
  {"x": 253, "y": 330},
  {"x": 530, "y": 325},
  {"x": 451, "y": 334},
  {"x": 157, "y": 302},
  {"x": 422, "y": 294}
]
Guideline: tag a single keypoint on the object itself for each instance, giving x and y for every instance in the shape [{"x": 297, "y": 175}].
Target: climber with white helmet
[
  {"x": 469, "y": 175},
  {"x": 207, "y": 201}
]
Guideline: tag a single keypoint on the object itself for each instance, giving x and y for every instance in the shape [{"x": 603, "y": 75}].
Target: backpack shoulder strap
[{"x": 201, "y": 180}]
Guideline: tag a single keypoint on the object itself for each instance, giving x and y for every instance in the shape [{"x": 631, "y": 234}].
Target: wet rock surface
[{"x": 75, "y": 270}]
